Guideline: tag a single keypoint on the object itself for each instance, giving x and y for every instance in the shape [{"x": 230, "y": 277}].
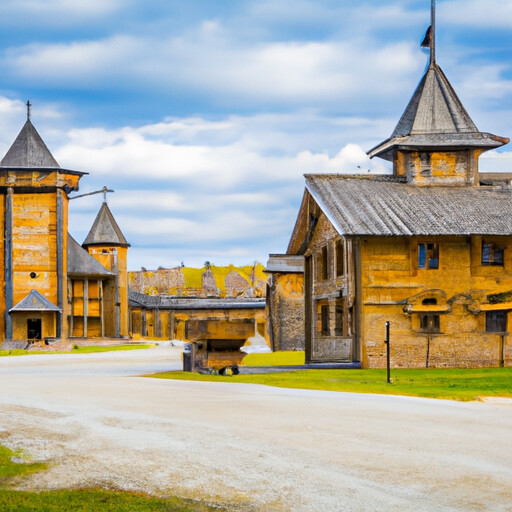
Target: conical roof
[
  {"x": 105, "y": 230},
  {"x": 81, "y": 263},
  {"x": 29, "y": 151},
  {"x": 436, "y": 118}
]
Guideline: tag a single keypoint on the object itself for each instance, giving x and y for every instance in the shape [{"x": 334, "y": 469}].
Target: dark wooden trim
[
  {"x": 8, "y": 263},
  {"x": 358, "y": 309},
  {"x": 60, "y": 262},
  {"x": 308, "y": 306}
]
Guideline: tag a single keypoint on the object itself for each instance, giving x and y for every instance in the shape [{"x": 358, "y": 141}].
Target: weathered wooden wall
[{"x": 393, "y": 288}]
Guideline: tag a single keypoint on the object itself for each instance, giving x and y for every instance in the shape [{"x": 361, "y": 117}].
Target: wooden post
[
  {"x": 102, "y": 309},
  {"x": 60, "y": 262},
  {"x": 388, "y": 358},
  {"x": 117, "y": 306},
  {"x": 86, "y": 305},
  {"x": 8, "y": 263},
  {"x": 71, "y": 319},
  {"x": 172, "y": 324}
]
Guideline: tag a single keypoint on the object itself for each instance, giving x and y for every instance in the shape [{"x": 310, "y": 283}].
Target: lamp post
[{"x": 388, "y": 365}]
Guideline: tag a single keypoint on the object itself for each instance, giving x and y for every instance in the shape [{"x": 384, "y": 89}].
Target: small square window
[
  {"x": 496, "y": 321},
  {"x": 492, "y": 254},
  {"x": 430, "y": 323},
  {"x": 428, "y": 256}
]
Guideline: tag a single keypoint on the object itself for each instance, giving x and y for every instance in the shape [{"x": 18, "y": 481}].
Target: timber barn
[
  {"x": 428, "y": 248},
  {"x": 53, "y": 288}
]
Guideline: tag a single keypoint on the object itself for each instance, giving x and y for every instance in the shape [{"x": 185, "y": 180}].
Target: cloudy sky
[{"x": 203, "y": 115}]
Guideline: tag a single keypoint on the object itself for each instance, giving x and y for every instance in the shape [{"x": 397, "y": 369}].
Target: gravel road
[{"x": 254, "y": 448}]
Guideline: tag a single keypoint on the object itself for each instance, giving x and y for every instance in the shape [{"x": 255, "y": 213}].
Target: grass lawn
[
  {"x": 80, "y": 500},
  {"x": 87, "y": 349},
  {"x": 439, "y": 383}
]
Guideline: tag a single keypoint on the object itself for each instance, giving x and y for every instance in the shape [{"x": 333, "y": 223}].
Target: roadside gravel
[{"x": 252, "y": 447}]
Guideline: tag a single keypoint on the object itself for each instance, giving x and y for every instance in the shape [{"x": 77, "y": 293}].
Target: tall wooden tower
[{"x": 34, "y": 219}]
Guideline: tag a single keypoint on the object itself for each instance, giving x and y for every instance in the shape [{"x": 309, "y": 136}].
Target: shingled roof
[
  {"x": 137, "y": 299},
  {"x": 386, "y": 205},
  {"x": 435, "y": 118},
  {"x": 29, "y": 151},
  {"x": 81, "y": 263},
  {"x": 105, "y": 230},
  {"x": 34, "y": 301}
]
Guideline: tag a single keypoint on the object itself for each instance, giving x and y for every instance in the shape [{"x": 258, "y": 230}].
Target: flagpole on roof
[{"x": 433, "y": 33}]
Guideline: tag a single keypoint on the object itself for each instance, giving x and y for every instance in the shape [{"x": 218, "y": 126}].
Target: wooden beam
[
  {"x": 102, "y": 308},
  {"x": 8, "y": 263},
  {"x": 86, "y": 305},
  {"x": 60, "y": 261}
]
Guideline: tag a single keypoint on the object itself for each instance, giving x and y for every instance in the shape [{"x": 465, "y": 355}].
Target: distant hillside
[{"x": 209, "y": 281}]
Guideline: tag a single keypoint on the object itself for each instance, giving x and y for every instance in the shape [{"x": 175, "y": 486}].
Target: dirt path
[{"x": 254, "y": 447}]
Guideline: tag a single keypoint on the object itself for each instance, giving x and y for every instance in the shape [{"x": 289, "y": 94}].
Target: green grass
[
  {"x": 10, "y": 470},
  {"x": 446, "y": 383},
  {"x": 78, "y": 500},
  {"x": 275, "y": 359},
  {"x": 79, "y": 350},
  {"x": 92, "y": 500}
]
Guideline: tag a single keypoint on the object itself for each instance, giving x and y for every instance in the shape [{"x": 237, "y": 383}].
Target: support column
[
  {"x": 72, "y": 301},
  {"x": 86, "y": 305},
  {"x": 102, "y": 309},
  {"x": 8, "y": 263},
  {"x": 60, "y": 262}
]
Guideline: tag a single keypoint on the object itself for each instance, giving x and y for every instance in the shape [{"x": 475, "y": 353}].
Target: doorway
[{"x": 34, "y": 331}]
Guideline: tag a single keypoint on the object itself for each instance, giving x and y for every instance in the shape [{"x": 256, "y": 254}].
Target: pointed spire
[
  {"x": 29, "y": 151},
  {"x": 433, "y": 33},
  {"x": 105, "y": 230},
  {"x": 435, "y": 117}
]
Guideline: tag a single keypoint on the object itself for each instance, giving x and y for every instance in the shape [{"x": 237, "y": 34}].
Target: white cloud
[
  {"x": 477, "y": 13},
  {"x": 235, "y": 194},
  {"x": 285, "y": 72},
  {"x": 58, "y": 11}
]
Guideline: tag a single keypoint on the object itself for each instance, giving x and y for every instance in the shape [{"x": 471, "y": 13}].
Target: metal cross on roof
[{"x": 29, "y": 105}]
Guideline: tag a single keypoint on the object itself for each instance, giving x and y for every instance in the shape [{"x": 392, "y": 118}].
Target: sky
[{"x": 203, "y": 116}]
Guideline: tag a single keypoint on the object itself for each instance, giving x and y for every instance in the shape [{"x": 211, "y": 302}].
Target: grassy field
[
  {"x": 88, "y": 349},
  {"x": 80, "y": 500},
  {"x": 447, "y": 384}
]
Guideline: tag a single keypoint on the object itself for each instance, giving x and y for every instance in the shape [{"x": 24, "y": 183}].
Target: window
[
  {"x": 496, "y": 321},
  {"x": 428, "y": 256},
  {"x": 325, "y": 264},
  {"x": 339, "y": 258},
  {"x": 492, "y": 254},
  {"x": 339, "y": 318},
  {"x": 430, "y": 323},
  {"x": 324, "y": 320}
]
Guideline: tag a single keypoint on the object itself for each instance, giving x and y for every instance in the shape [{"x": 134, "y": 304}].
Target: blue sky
[{"x": 204, "y": 115}]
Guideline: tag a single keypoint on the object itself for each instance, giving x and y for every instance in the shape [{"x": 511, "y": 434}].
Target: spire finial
[
  {"x": 433, "y": 33},
  {"x": 29, "y": 105}
]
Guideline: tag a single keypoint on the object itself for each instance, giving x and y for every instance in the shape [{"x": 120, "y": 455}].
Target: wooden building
[
  {"x": 428, "y": 248},
  {"x": 51, "y": 287}
]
